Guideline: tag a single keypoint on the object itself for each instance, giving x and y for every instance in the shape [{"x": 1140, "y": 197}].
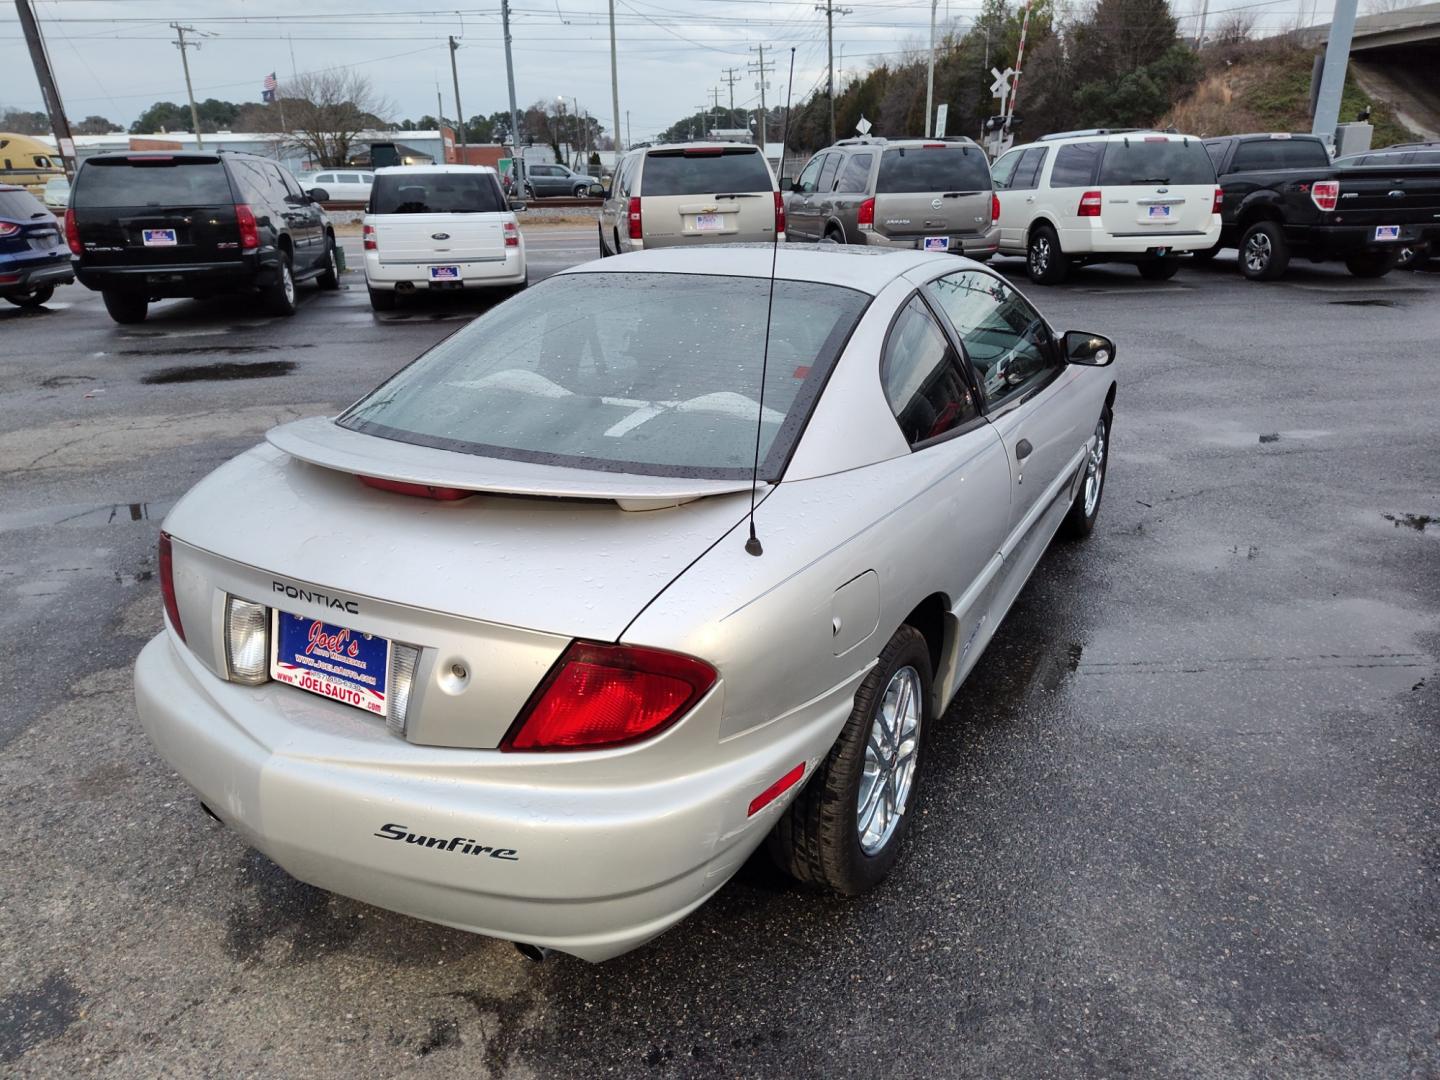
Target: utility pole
[
  {"x": 615, "y": 86},
  {"x": 703, "y": 109},
  {"x": 713, "y": 109},
  {"x": 64, "y": 142},
  {"x": 1200, "y": 34},
  {"x": 831, "y": 11},
  {"x": 459, "y": 112},
  {"x": 930, "y": 76},
  {"x": 629, "y": 137},
  {"x": 762, "y": 69},
  {"x": 510, "y": 78},
  {"x": 183, "y": 45},
  {"x": 732, "y": 79},
  {"x": 1332, "y": 75}
]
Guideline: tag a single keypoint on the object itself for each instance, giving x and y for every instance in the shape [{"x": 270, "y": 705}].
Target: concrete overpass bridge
[{"x": 1395, "y": 58}]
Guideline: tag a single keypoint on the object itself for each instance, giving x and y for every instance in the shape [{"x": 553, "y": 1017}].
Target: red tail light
[
  {"x": 636, "y": 232},
  {"x": 994, "y": 208},
  {"x": 1326, "y": 194},
  {"x": 1219, "y": 204},
  {"x": 779, "y": 213},
  {"x": 249, "y": 230},
  {"x": 512, "y": 234},
  {"x": 9, "y": 229},
  {"x": 607, "y": 695},
  {"x": 167, "y": 585},
  {"x": 420, "y": 491},
  {"x": 865, "y": 216},
  {"x": 72, "y": 232},
  {"x": 367, "y": 234},
  {"x": 1089, "y": 204}
]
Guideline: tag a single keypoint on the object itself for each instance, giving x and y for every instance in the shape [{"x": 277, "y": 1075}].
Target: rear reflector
[
  {"x": 636, "y": 229},
  {"x": 865, "y": 216},
  {"x": 247, "y": 641},
  {"x": 598, "y": 696},
  {"x": 167, "y": 586},
  {"x": 72, "y": 232},
  {"x": 779, "y": 213},
  {"x": 1326, "y": 194},
  {"x": 419, "y": 491},
  {"x": 1089, "y": 204},
  {"x": 403, "y": 660},
  {"x": 775, "y": 790},
  {"x": 249, "y": 230}
]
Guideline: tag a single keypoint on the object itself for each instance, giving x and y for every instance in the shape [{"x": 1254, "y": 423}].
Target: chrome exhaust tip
[
  {"x": 537, "y": 953},
  {"x": 405, "y": 287}
]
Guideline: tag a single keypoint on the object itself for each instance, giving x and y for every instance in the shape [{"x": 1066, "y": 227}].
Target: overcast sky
[{"x": 114, "y": 57}]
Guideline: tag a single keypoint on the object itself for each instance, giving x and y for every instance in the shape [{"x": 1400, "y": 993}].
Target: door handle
[
  {"x": 1023, "y": 449},
  {"x": 1029, "y": 198}
]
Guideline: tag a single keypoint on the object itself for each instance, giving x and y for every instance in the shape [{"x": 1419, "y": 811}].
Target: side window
[
  {"x": 252, "y": 183},
  {"x": 292, "y": 186},
  {"x": 279, "y": 182},
  {"x": 827, "y": 173},
  {"x": 325, "y": 178},
  {"x": 1003, "y": 169},
  {"x": 856, "y": 175},
  {"x": 1027, "y": 172},
  {"x": 811, "y": 174},
  {"x": 1076, "y": 164},
  {"x": 922, "y": 377},
  {"x": 1005, "y": 339},
  {"x": 1216, "y": 150}
]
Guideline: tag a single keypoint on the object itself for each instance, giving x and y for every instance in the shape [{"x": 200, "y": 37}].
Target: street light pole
[
  {"x": 930, "y": 76},
  {"x": 510, "y": 78},
  {"x": 615, "y": 84},
  {"x": 183, "y": 45},
  {"x": 59, "y": 124},
  {"x": 459, "y": 111}
]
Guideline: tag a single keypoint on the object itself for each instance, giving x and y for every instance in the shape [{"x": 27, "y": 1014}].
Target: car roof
[
  {"x": 1102, "y": 135},
  {"x": 702, "y": 144},
  {"x": 11, "y": 187},
  {"x": 401, "y": 170},
  {"x": 867, "y": 269}
]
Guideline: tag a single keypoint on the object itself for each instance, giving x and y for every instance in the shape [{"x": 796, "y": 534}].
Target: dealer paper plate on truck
[{"x": 332, "y": 661}]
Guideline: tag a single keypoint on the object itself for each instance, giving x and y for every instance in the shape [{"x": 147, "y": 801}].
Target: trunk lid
[
  {"x": 1388, "y": 195},
  {"x": 439, "y": 238},
  {"x": 1156, "y": 185},
  {"x": 155, "y": 211},
  {"x": 715, "y": 195},
  {"x": 932, "y": 189}
]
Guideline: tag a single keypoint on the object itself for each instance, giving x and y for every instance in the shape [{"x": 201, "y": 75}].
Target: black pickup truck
[{"x": 1284, "y": 197}]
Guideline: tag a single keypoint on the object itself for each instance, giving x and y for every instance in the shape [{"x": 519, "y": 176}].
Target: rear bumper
[
  {"x": 592, "y": 869},
  {"x": 22, "y": 277},
  {"x": 1339, "y": 241},
  {"x": 985, "y": 243},
  {"x": 1093, "y": 240},
  {"x": 480, "y": 274},
  {"x": 183, "y": 279}
]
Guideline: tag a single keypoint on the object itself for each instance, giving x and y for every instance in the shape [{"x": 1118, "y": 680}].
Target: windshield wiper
[
  {"x": 738, "y": 195},
  {"x": 958, "y": 194},
  {"x": 1151, "y": 180}
]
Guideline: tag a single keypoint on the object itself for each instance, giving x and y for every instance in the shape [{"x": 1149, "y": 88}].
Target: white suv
[
  {"x": 1107, "y": 196},
  {"x": 436, "y": 227}
]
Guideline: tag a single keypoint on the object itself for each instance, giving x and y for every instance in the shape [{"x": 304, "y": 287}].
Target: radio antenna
[{"x": 752, "y": 545}]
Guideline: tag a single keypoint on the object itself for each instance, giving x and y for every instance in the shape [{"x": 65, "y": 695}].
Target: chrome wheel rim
[
  {"x": 288, "y": 282},
  {"x": 1095, "y": 471},
  {"x": 1040, "y": 254},
  {"x": 334, "y": 266},
  {"x": 891, "y": 753},
  {"x": 1257, "y": 252}
]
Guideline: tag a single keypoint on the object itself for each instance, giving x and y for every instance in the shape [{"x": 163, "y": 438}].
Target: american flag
[{"x": 267, "y": 90}]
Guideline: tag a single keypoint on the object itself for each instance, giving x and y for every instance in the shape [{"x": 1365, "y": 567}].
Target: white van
[
  {"x": 439, "y": 227},
  {"x": 1136, "y": 196}
]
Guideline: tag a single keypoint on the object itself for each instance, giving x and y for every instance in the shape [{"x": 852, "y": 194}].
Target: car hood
[{"x": 575, "y": 567}]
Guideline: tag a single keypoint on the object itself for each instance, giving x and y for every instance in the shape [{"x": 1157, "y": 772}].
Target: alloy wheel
[
  {"x": 1257, "y": 252},
  {"x": 1095, "y": 470},
  {"x": 1040, "y": 254},
  {"x": 288, "y": 281},
  {"x": 891, "y": 753}
]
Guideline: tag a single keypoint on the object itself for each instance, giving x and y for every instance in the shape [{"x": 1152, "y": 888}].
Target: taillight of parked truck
[{"x": 1325, "y": 194}]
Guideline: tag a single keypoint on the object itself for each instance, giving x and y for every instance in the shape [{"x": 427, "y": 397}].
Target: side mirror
[
  {"x": 316, "y": 195},
  {"x": 597, "y": 191},
  {"x": 1083, "y": 347},
  {"x": 517, "y": 204}
]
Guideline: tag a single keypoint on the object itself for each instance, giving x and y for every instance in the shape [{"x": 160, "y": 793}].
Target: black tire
[
  {"x": 1158, "y": 269},
  {"x": 125, "y": 307},
  {"x": 1412, "y": 257},
  {"x": 330, "y": 277},
  {"x": 1044, "y": 261},
  {"x": 1264, "y": 254},
  {"x": 600, "y": 236},
  {"x": 33, "y": 299},
  {"x": 835, "y": 234},
  {"x": 1080, "y": 521},
  {"x": 1372, "y": 264},
  {"x": 279, "y": 297},
  {"x": 1205, "y": 255},
  {"x": 817, "y": 839},
  {"x": 383, "y": 299},
  {"x": 320, "y": 194}
]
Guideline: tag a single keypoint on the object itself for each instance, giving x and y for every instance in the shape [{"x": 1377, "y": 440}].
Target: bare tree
[
  {"x": 322, "y": 114},
  {"x": 1380, "y": 7},
  {"x": 1236, "y": 26}
]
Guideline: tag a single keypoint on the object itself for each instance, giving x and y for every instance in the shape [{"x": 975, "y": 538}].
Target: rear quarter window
[
  {"x": 1146, "y": 160},
  {"x": 935, "y": 168},
  {"x": 435, "y": 193},
  {"x": 151, "y": 183},
  {"x": 1075, "y": 164},
  {"x": 1280, "y": 154},
  {"x": 21, "y": 206},
  {"x": 682, "y": 173}
]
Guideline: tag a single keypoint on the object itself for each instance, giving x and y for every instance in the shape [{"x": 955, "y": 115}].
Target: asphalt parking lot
[{"x": 1182, "y": 821}]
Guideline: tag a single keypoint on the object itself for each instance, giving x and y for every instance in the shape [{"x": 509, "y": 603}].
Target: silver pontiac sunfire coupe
[{"x": 492, "y": 647}]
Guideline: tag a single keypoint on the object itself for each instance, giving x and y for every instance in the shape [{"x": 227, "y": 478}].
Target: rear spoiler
[{"x": 320, "y": 441}]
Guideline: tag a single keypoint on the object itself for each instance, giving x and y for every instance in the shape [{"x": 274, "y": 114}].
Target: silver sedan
[{"x": 503, "y": 645}]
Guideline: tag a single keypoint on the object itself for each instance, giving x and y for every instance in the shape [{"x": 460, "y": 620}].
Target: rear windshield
[
  {"x": 21, "y": 206},
  {"x": 596, "y": 371},
  {"x": 152, "y": 183},
  {"x": 1281, "y": 154},
  {"x": 691, "y": 173},
  {"x": 436, "y": 193},
  {"x": 1139, "y": 160},
  {"x": 935, "y": 168}
]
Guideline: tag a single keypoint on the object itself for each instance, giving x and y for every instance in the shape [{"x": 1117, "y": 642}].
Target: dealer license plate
[
  {"x": 709, "y": 222},
  {"x": 1387, "y": 232},
  {"x": 332, "y": 661},
  {"x": 1159, "y": 213},
  {"x": 444, "y": 273},
  {"x": 157, "y": 237},
  {"x": 936, "y": 243}
]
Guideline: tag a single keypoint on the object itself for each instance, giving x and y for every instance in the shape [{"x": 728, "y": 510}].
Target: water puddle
[
  {"x": 1369, "y": 301},
  {"x": 1418, "y": 522},
  {"x": 224, "y": 350},
  {"x": 266, "y": 369}
]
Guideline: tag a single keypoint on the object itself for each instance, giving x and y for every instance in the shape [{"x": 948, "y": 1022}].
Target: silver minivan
[
  {"x": 932, "y": 194},
  {"x": 691, "y": 193}
]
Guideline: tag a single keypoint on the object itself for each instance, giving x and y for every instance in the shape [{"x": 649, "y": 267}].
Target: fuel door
[{"x": 855, "y": 612}]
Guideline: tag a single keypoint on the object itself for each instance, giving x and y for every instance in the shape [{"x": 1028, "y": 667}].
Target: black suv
[{"x": 150, "y": 226}]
